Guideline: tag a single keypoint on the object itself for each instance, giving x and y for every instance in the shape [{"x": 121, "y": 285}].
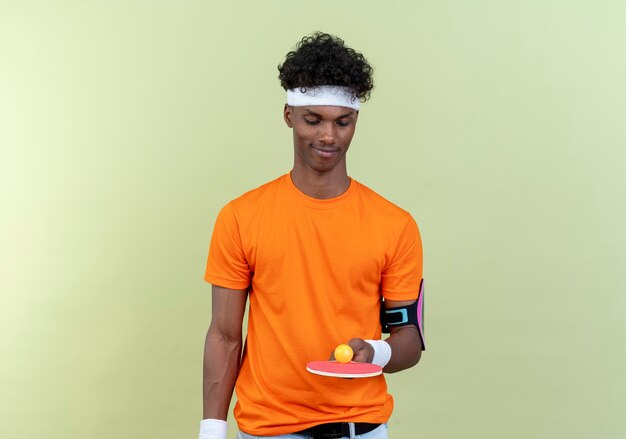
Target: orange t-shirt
[{"x": 316, "y": 269}]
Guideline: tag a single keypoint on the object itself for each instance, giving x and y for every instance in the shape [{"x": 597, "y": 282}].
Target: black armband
[{"x": 412, "y": 314}]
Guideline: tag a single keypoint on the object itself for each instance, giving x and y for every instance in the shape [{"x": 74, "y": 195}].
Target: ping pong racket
[{"x": 344, "y": 370}]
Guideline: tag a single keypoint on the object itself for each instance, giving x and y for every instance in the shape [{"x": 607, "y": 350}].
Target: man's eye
[
  {"x": 311, "y": 122},
  {"x": 343, "y": 124}
]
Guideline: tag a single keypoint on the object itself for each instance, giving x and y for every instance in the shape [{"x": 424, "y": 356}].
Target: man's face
[{"x": 321, "y": 135}]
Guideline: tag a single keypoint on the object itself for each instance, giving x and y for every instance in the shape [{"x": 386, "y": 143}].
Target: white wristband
[
  {"x": 382, "y": 352},
  {"x": 213, "y": 429}
]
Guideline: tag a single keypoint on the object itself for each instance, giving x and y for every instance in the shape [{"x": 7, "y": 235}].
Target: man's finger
[{"x": 363, "y": 351}]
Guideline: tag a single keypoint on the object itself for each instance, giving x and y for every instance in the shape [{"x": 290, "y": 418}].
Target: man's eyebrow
[
  {"x": 350, "y": 113},
  {"x": 313, "y": 113}
]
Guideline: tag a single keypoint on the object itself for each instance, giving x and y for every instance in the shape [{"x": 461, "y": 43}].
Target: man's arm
[
  {"x": 222, "y": 350},
  {"x": 405, "y": 342}
]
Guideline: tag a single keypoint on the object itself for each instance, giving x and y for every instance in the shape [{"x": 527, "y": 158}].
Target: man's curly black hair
[{"x": 323, "y": 59}]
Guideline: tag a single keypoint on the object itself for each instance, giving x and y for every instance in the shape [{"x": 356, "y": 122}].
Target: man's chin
[{"x": 324, "y": 167}]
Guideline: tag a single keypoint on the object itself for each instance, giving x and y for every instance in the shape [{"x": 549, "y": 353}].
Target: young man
[{"x": 316, "y": 252}]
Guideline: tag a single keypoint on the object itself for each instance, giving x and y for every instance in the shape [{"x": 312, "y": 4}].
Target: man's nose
[{"x": 327, "y": 135}]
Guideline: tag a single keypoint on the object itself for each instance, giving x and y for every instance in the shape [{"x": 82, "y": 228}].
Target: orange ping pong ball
[{"x": 343, "y": 353}]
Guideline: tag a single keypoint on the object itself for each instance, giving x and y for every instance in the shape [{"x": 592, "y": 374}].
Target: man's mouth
[{"x": 325, "y": 152}]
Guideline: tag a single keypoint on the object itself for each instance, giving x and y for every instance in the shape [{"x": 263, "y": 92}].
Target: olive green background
[{"x": 126, "y": 125}]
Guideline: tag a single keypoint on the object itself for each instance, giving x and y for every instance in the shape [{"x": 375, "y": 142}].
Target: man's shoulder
[
  {"x": 251, "y": 198},
  {"x": 382, "y": 205}
]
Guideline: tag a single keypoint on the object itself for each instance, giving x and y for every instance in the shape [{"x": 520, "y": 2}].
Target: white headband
[{"x": 323, "y": 95}]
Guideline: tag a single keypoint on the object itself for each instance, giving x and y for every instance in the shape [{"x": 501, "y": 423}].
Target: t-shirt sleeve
[
  {"x": 402, "y": 276},
  {"x": 227, "y": 265}
]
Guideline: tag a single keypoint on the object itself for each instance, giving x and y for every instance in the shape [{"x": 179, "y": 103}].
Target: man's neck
[{"x": 324, "y": 185}]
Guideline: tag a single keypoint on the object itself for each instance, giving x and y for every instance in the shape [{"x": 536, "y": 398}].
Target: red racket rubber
[{"x": 344, "y": 370}]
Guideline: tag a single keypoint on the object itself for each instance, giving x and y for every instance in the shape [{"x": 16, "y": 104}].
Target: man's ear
[{"x": 288, "y": 114}]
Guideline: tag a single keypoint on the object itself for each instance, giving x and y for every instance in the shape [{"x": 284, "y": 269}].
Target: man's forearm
[
  {"x": 221, "y": 364},
  {"x": 406, "y": 349}
]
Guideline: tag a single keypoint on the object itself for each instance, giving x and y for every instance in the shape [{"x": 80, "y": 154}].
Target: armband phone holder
[{"x": 405, "y": 315}]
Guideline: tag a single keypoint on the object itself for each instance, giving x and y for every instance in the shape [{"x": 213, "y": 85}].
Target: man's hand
[{"x": 363, "y": 351}]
